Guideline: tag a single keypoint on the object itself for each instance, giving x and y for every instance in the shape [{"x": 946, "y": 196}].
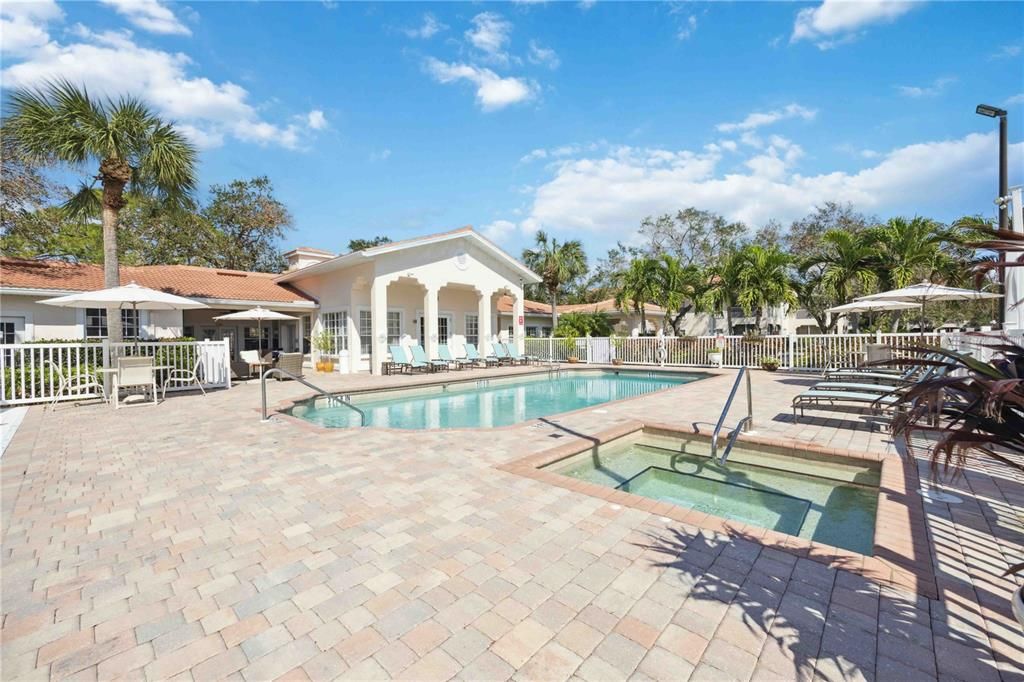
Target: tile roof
[
  {"x": 183, "y": 280},
  {"x": 537, "y": 308}
]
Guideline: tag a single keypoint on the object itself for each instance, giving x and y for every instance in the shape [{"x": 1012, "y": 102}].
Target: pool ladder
[
  {"x": 332, "y": 399},
  {"x": 742, "y": 425}
]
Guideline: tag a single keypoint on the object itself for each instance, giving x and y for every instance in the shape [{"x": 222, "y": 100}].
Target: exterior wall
[{"x": 51, "y": 322}]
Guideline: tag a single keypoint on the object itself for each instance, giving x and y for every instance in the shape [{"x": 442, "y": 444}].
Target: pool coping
[
  {"x": 902, "y": 556},
  {"x": 281, "y": 408}
]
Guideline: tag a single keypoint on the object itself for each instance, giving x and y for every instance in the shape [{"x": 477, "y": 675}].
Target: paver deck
[{"x": 190, "y": 541}]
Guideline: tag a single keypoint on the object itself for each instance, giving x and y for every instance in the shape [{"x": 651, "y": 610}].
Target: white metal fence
[
  {"x": 811, "y": 352},
  {"x": 32, "y": 372}
]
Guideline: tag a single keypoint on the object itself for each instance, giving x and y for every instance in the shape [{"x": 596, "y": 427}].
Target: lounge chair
[
  {"x": 500, "y": 354},
  {"x": 513, "y": 353},
  {"x": 446, "y": 356},
  {"x": 291, "y": 363},
  {"x": 473, "y": 356},
  {"x": 134, "y": 373},
  {"x": 419, "y": 357},
  {"x": 184, "y": 377},
  {"x": 252, "y": 359},
  {"x": 816, "y": 398},
  {"x": 401, "y": 360}
]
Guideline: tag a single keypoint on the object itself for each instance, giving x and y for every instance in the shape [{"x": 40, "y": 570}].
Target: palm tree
[
  {"x": 638, "y": 286},
  {"x": 135, "y": 151},
  {"x": 765, "y": 280},
  {"x": 677, "y": 288},
  {"x": 907, "y": 251},
  {"x": 846, "y": 263},
  {"x": 556, "y": 264},
  {"x": 722, "y": 285}
]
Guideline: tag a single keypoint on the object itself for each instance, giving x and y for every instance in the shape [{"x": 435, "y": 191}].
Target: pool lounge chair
[
  {"x": 473, "y": 356},
  {"x": 513, "y": 352},
  {"x": 818, "y": 398},
  {"x": 445, "y": 355},
  {"x": 419, "y": 356},
  {"x": 400, "y": 360},
  {"x": 499, "y": 352}
]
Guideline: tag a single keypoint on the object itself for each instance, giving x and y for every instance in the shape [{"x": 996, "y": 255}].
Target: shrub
[{"x": 584, "y": 324}]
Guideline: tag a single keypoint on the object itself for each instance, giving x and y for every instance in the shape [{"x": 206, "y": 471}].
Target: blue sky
[{"x": 578, "y": 118}]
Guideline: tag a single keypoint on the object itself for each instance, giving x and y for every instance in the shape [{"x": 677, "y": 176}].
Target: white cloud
[
  {"x": 936, "y": 88},
  {"x": 835, "y": 22},
  {"x": 490, "y": 35},
  {"x": 23, "y": 25},
  {"x": 316, "y": 120},
  {"x": 428, "y": 29},
  {"x": 688, "y": 28},
  {"x": 499, "y": 230},
  {"x": 382, "y": 155},
  {"x": 1016, "y": 99},
  {"x": 492, "y": 91},
  {"x": 606, "y": 193},
  {"x": 149, "y": 15},
  {"x": 112, "y": 63},
  {"x": 758, "y": 119},
  {"x": 1007, "y": 52},
  {"x": 543, "y": 55},
  {"x": 586, "y": 4}
]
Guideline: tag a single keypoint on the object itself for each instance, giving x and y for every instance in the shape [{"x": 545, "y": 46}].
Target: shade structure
[
  {"x": 926, "y": 292},
  {"x": 871, "y": 306},
  {"x": 129, "y": 295},
  {"x": 257, "y": 314}
]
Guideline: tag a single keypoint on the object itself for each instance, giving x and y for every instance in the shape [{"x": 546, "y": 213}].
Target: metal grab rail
[
  {"x": 330, "y": 396},
  {"x": 743, "y": 424}
]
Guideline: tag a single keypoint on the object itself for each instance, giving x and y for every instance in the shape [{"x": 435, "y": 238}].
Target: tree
[
  {"x": 363, "y": 244},
  {"x": 765, "y": 280},
  {"x": 583, "y": 324},
  {"x": 677, "y": 288},
  {"x": 135, "y": 150},
  {"x": 24, "y": 189},
  {"x": 638, "y": 286},
  {"x": 556, "y": 264},
  {"x": 251, "y": 222},
  {"x": 804, "y": 237},
  {"x": 693, "y": 236},
  {"x": 722, "y": 287}
]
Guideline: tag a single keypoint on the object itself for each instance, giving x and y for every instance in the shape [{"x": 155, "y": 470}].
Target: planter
[
  {"x": 616, "y": 361},
  {"x": 573, "y": 361},
  {"x": 1018, "y": 604},
  {"x": 769, "y": 368},
  {"x": 325, "y": 366},
  {"x": 715, "y": 357}
]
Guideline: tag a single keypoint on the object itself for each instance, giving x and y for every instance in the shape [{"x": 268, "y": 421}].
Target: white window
[
  {"x": 96, "y": 323},
  {"x": 366, "y": 331},
  {"x": 336, "y": 324},
  {"x": 394, "y": 327},
  {"x": 442, "y": 329},
  {"x": 472, "y": 329}
]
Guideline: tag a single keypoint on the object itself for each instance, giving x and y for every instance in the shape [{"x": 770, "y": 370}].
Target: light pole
[{"x": 996, "y": 112}]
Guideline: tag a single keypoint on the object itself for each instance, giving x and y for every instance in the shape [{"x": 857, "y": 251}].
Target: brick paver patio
[{"x": 190, "y": 541}]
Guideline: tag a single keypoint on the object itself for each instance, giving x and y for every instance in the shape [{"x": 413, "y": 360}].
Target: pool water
[
  {"x": 832, "y": 501},
  {"x": 489, "y": 402}
]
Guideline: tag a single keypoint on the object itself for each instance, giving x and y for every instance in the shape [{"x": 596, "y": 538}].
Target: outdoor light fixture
[{"x": 990, "y": 111}]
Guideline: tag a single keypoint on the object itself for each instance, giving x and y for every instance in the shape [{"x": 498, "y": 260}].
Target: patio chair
[
  {"x": 291, "y": 363},
  {"x": 134, "y": 373},
  {"x": 399, "y": 358},
  {"x": 252, "y": 359},
  {"x": 473, "y": 356},
  {"x": 79, "y": 382},
  {"x": 184, "y": 377},
  {"x": 420, "y": 356},
  {"x": 446, "y": 356}
]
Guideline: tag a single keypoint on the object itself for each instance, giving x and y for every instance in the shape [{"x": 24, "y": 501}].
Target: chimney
[{"x": 304, "y": 256}]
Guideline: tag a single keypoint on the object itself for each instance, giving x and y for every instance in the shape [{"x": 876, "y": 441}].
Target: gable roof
[
  {"x": 183, "y": 280},
  {"x": 366, "y": 255}
]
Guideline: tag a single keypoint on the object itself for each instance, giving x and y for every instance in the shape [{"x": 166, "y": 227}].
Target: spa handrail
[
  {"x": 330, "y": 396},
  {"x": 742, "y": 424}
]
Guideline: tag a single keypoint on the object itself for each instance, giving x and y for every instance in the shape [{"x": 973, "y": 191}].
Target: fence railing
[
  {"x": 32, "y": 372},
  {"x": 811, "y": 352}
]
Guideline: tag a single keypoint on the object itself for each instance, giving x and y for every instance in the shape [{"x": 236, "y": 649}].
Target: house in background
[
  {"x": 442, "y": 288},
  {"x": 538, "y": 316}
]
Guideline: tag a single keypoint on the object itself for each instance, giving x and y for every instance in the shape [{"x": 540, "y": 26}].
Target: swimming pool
[
  {"x": 490, "y": 402},
  {"x": 832, "y": 500}
]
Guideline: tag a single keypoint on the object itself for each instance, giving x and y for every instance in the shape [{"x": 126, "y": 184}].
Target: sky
[{"x": 578, "y": 118}]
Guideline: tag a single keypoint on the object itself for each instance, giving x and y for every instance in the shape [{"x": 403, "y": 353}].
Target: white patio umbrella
[
  {"x": 133, "y": 295},
  {"x": 922, "y": 293},
  {"x": 257, "y": 314},
  {"x": 870, "y": 307}
]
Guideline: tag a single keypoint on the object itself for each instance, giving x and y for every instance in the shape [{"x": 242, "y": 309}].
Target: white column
[
  {"x": 379, "y": 325},
  {"x": 484, "y": 323},
  {"x": 355, "y": 349},
  {"x": 518, "y": 327},
  {"x": 299, "y": 329},
  {"x": 430, "y": 322}
]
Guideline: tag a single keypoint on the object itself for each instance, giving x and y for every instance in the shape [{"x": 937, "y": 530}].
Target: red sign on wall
[{"x": 520, "y": 320}]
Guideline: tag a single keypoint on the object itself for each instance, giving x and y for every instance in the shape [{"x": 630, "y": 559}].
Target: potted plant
[
  {"x": 617, "y": 346},
  {"x": 769, "y": 363},
  {"x": 323, "y": 343},
  {"x": 569, "y": 343},
  {"x": 715, "y": 356}
]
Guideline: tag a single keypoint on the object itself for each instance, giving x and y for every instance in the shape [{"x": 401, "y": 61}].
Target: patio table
[{"x": 114, "y": 370}]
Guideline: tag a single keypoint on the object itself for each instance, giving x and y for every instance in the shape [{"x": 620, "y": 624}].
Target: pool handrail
[
  {"x": 741, "y": 425},
  {"x": 343, "y": 399}
]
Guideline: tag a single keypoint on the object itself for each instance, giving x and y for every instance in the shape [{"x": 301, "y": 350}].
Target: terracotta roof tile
[
  {"x": 183, "y": 280},
  {"x": 536, "y": 308}
]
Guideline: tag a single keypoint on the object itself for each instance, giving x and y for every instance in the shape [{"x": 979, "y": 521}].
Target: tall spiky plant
[
  {"x": 765, "y": 280},
  {"x": 638, "y": 285},
  {"x": 130, "y": 147},
  {"x": 557, "y": 264}
]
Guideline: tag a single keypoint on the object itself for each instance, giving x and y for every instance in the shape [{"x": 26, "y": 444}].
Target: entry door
[{"x": 444, "y": 330}]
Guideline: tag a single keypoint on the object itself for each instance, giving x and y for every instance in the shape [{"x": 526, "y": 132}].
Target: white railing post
[
  {"x": 551, "y": 349},
  {"x": 107, "y": 376},
  {"x": 790, "y": 350},
  {"x": 227, "y": 358}
]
